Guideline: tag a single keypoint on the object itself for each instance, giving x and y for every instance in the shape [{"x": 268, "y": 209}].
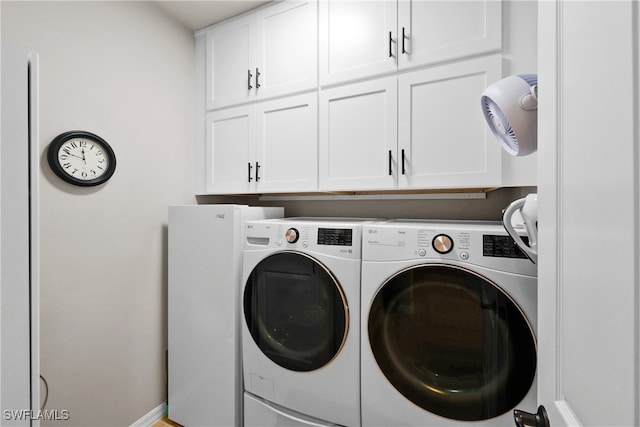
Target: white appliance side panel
[
  {"x": 205, "y": 261},
  {"x": 204, "y": 357},
  {"x": 201, "y": 328},
  {"x": 15, "y": 387}
]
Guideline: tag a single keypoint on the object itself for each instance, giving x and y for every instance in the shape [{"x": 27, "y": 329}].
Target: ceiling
[{"x": 199, "y": 14}]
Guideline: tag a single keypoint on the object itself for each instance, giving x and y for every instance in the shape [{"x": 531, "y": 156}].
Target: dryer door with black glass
[{"x": 452, "y": 342}]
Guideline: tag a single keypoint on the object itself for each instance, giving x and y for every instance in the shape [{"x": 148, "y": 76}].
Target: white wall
[{"x": 125, "y": 71}]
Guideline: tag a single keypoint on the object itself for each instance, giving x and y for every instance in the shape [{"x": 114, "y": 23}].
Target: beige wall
[{"x": 125, "y": 71}]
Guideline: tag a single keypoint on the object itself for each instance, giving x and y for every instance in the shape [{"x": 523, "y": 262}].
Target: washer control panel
[{"x": 338, "y": 238}]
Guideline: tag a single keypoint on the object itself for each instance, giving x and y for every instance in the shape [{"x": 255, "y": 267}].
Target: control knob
[
  {"x": 292, "y": 235},
  {"x": 442, "y": 244}
]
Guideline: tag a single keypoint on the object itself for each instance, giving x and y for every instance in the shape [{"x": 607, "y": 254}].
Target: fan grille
[{"x": 500, "y": 125}]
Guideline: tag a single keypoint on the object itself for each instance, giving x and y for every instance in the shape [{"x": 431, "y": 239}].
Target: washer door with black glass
[
  {"x": 452, "y": 342},
  {"x": 295, "y": 311}
]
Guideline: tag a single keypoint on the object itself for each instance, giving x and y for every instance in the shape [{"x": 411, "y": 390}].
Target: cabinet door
[
  {"x": 355, "y": 40},
  {"x": 230, "y": 63},
  {"x": 440, "y": 30},
  {"x": 287, "y": 144},
  {"x": 444, "y": 141},
  {"x": 286, "y": 48},
  {"x": 229, "y": 160},
  {"x": 358, "y": 136}
]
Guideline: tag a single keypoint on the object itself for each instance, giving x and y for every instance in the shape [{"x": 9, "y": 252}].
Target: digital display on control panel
[
  {"x": 502, "y": 246},
  {"x": 335, "y": 236}
]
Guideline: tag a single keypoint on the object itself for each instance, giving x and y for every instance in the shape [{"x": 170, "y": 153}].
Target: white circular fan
[{"x": 510, "y": 107}]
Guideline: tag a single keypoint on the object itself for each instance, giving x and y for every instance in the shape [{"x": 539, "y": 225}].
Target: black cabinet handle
[
  {"x": 249, "y": 75},
  {"x": 525, "y": 419},
  {"x": 390, "y": 47},
  {"x": 403, "y": 37},
  {"x": 403, "y": 160},
  {"x": 257, "y": 77},
  {"x": 257, "y": 171},
  {"x": 250, "y": 178},
  {"x": 390, "y": 163}
]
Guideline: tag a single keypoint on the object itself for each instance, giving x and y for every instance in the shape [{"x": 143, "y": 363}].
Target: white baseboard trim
[{"x": 151, "y": 417}]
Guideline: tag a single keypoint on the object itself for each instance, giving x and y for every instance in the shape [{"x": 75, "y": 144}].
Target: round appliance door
[
  {"x": 452, "y": 342},
  {"x": 296, "y": 311}
]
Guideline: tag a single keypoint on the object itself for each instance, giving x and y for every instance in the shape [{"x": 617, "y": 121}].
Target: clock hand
[{"x": 83, "y": 158}]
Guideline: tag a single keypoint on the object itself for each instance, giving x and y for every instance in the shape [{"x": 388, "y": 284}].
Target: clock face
[{"x": 81, "y": 158}]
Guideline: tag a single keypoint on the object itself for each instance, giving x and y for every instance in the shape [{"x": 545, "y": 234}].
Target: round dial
[
  {"x": 81, "y": 158},
  {"x": 292, "y": 235},
  {"x": 442, "y": 243}
]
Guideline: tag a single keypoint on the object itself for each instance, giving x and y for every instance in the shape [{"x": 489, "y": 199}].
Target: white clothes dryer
[
  {"x": 301, "y": 328},
  {"x": 448, "y": 325}
]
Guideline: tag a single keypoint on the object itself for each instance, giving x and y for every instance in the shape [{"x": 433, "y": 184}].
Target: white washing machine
[
  {"x": 301, "y": 328},
  {"x": 448, "y": 325}
]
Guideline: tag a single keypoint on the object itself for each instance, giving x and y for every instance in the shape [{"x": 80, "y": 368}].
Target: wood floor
[{"x": 165, "y": 422}]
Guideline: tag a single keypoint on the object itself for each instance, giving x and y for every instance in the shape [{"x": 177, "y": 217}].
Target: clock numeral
[
  {"x": 64, "y": 157},
  {"x": 66, "y": 165},
  {"x": 83, "y": 143},
  {"x": 73, "y": 144},
  {"x": 67, "y": 150}
]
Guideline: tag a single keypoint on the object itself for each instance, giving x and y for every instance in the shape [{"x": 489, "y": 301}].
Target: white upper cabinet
[
  {"x": 287, "y": 144},
  {"x": 354, "y": 95},
  {"x": 419, "y": 130},
  {"x": 431, "y": 31},
  {"x": 443, "y": 140},
  {"x": 230, "y": 63},
  {"x": 360, "y": 39},
  {"x": 355, "y": 39},
  {"x": 264, "y": 147},
  {"x": 229, "y": 160},
  {"x": 268, "y": 53},
  {"x": 287, "y": 54},
  {"x": 358, "y": 134}
]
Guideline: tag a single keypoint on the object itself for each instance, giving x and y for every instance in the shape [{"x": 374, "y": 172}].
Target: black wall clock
[{"x": 81, "y": 158}]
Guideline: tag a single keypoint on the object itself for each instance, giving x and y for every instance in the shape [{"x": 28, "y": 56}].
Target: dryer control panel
[{"x": 481, "y": 243}]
